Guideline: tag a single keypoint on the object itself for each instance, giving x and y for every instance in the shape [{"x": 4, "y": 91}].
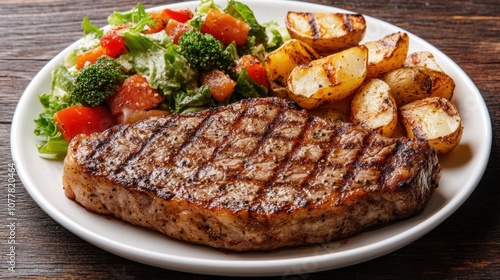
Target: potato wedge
[
  {"x": 400, "y": 130},
  {"x": 328, "y": 79},
  {"x": 326, "y": 32},
  {"x": 423, "y": 59},
  {"x": 387, "y": 54},
  {"x": 343, "y": 106},
  {"x": 330, "y": 115},
  {"x": 374, "y": 108},
  {"x": 409, "y": 84},
  {"x": 280, "y": 63},
  {"x": 435, "y": 119}
]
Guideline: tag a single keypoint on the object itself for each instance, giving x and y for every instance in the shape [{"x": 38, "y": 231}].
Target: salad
[{"x": 154, "y": 63}]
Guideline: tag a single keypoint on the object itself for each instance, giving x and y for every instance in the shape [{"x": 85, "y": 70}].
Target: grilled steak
[{"x": 258, "y": 174}]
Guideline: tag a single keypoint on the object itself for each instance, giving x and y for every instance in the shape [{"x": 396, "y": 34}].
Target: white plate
[{"x": 462, "y": 171}]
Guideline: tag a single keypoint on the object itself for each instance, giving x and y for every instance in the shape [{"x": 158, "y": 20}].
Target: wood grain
[{"x": 465, "y": 246}]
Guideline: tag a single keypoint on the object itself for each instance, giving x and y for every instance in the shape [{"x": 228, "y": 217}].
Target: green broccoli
[
  {"x": 97, "y": 82},
  {"x": 204, "y": 52}
]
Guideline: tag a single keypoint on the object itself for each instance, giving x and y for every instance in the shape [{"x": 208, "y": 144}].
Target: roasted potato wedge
[
  {"x": 400, "y": 130},
  {"x": 330, "y": 115},
  {"x": 435, "y": 119},
  {"x": 342, "y": 106},
  {"x": 328, "y": 79},
  {"x": 409, "y": 84},
  {"x": 280, "y": 62},
  {"x": 326, "y": 32},
  {"x": 374, "y": 108},
  {"x": 387, "y": 54},
  {"x": 422, "y": 59}
]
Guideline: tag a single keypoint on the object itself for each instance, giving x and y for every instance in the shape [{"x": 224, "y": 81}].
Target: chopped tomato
[
  {"x": 134, "y": 93},
  {"x": 221, "y": 85},
  {"x": 225, "y": 27},
  {"x": 77, "y": 120},
  {"x": 113, "y": 44},
  {"x": 89, "y": 56},
  {"x": 157, "y": 27},
  {"x": 180, "y": 15},
  {"x": 174, "y": 29},
  {"x": 131, "y": 116},
  {"x": 163, "y": 17},
  {"x": 160, "y": 20},
  {"x": 256, "y": 71}
]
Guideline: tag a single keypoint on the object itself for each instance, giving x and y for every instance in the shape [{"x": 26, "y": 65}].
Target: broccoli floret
[
  {"x": 204, "y": 52},
  {"x": 97, "y": 82}
]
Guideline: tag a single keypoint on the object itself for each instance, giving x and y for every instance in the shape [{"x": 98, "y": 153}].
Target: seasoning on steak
[{"x": 258, "y": 174}]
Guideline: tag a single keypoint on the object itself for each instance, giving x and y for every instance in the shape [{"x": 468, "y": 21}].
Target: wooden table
[{"x": 465, "y": 246}]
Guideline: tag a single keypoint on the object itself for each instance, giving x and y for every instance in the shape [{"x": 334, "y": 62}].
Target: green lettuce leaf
[
  {"x": 62, "y": 80},
  {"x": 276, "y": 35},
  {"x": 244, "y": 13},
  {"x": 157, "y": 59},
  {"x": 137, "y": 16},
  {"x": 190, "y": 100},
  {"x": 52, "y": 145},
  {"x": 247, "y": 88}
]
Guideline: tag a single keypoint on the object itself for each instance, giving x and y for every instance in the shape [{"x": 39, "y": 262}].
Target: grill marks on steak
[{"x": 260, "y": 165}]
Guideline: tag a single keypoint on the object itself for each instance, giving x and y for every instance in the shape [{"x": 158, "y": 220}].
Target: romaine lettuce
[
  {"x": 244, "y": 13},
  {"x": 52, "y": 146},
  {"x": 247, "y": 88},
  {"x": 157, "y": 59},
  {"x": 137, "y": 15},
  {"x": 198, "y": 98}
]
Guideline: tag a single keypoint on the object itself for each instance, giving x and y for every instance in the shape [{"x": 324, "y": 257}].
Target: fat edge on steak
[{"x": 258, "y": 174}]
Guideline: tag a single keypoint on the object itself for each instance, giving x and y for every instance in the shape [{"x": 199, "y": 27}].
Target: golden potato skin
[
  {"x": 326, "y": 32},
  {"x": 280, "y": 63},
  {"x": 435, "y": 119},
  {"x": 409, "y": 84},
  {"x": 387, "y": 54},
  {"x": 330, "y": 115},
  {"x": 422, "y": 59},
  {"x": 328, "y": 79},
  {"x": 374, "y": 108}
]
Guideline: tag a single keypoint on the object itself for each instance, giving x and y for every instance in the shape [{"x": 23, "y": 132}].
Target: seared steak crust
[{"x": 255, "y": 175}]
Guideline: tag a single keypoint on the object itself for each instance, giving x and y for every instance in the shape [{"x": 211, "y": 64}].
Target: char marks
[
  {"x": 254, "y": 155},
  {"x": 258, "y": 174},
  {"x": 313, "y": 24}
]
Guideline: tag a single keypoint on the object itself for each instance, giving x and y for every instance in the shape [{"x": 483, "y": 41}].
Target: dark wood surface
[{"x": 465, "y": 246}]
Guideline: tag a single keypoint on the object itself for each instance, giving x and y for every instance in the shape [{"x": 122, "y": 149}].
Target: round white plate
[{"x": 462, "y": 170}]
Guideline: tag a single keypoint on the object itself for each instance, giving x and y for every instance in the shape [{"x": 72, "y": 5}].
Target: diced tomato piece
[
  {"x": 113, "y": 43},
  {"x": 157, "y": 27},
  {"x": 77, "y": 120},
  {"x": 163, "y": 17},
  {"x": 134, "y": 93},
  {"x": 225, "y": 27},
  {"x": 89, "y": 56},
  {"x": 175, "y": 29},
  {"x": 128, "y": 116},
  {"x": 221, "y": 85},
  {"x": 160, "y": 19},
  {"x": 180, "y": 15},
  {"x": 256, "y": 71}
]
